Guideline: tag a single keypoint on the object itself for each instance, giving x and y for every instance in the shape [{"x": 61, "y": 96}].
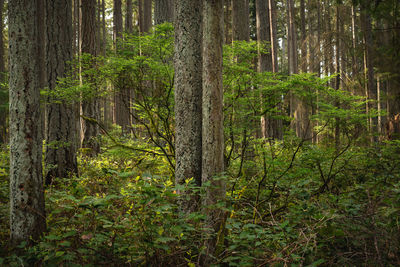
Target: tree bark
[
  {"x": 117, "y": 18},
  {"x": 90, "y": 107},
  {"x": 61, "y": 118},
  {"x": 338, "y": 77},
  {"x": 228, "y": 22},
  {"x": 27, "y": 210},
  {"x": 122, "y": 94},
  {"x": 240, "y": 19},
  {"x": 292, "y": 39},
  {"x": 304, "y": 55},
  {"x": 3, "y": 115},
  {"x": 145, "y": 21},
  {"x": 273, "y": 30},
  {"x": 213, "y": 136},
  {"x": 369, "y": 64},
  {"x": 188, "y": 94},
  {"x": 263, "y": 35},
  {"x": 128, "y": 17},
  {"x": 163, "y": 11}
]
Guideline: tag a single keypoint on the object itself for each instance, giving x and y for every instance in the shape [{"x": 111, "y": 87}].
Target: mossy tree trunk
[
  {"x": 27, "y": 211},
  {"x": 188, "y": 94}
]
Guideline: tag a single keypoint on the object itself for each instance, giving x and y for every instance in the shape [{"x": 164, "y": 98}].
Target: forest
[{"x": 200, "y": 133}]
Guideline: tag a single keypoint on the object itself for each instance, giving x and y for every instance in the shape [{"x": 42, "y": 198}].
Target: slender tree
[
  {"x": 370, "y": 88},
  {"x": 117, "y": 21},
  {"x": 145, "y": 19},
  {"x": 213, "y": 136},
  {"x": 128, "y": 17},
  {"x": 90, "y": 107},
  {"x": 228, "y": 22},
  {"x": 3, "y": 115},
  {"x": 188, "y": 93},
  {"x": 122, "y": 94},
  {"x": 27, "y": 211},
  {"x": 61, "y": 117},
  {"x": 304, "y": 65}
]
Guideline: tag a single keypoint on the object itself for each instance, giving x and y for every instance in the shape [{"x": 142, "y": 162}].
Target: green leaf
[
  {"x": 65, "y": 244},
  {"x": 53, "y": 237}
]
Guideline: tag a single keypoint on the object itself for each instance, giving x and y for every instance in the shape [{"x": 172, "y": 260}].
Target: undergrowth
[{"x": 123, "y": 210}]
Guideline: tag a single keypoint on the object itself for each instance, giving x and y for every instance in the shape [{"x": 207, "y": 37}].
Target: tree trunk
[
  {"x": 270, "y": 127},
  {"x": 213, "y": 135},
  {"x": 292, "y": 39},
  {"x": 299, "y": 109},
  {"x": 338, "y": 77},
  {"x": 61, "y": 117},
  {"x": 90, "y": 107},
  {"x": 354, "y": 41},
  {"x": 3, "y": 113},
  {"x": 304, "y": 55},
  {"x": 27, "y": 211},
  {"x": 319, "y": 34},
  {"x": 163, "y": 11},
  {"x": 122, "y": 95},
  {"x": 240, "y": 18},
  {"x": 188, "y": 94},
  {"x": 228, "y": 22},
  {"x": 274, "y": 38},
  {"x": 145, "y": 15},
  {"x": 117, "y": 19},
  {"x": 128, "y": 17},
  {"x": 368, "y": 64},
  {"x": 263, "y": 35}
]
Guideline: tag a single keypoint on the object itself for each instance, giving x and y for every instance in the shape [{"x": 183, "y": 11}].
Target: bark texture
[
  {"x": 240, "y": 18},
  {"x": 90, "y": 107},
  {"x": 370, "y": 88},
  {"x": 117, "y": 17},
  {"x": 128, "y": 17},
  {"x": 27, "y": 212},
  {"x": 213, "y": 136},
  {"x": 3, "y": 115},
  {"x": 188, "y": 91},
  {"x": 61, "y": 117},
  {"x": 164, "y": 11},
  {"x": 122, "y": 94},
  {"x": 145, "y": 20}
]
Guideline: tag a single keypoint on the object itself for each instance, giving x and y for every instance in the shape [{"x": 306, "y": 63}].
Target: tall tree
[
  {"x": 188, "y": 92},
  {"x": 163, "y": 11},
  {"x": 27, "y": 211},
  {"x": 213, "y": 136},
  {"x": 117, "y": 21},
  {"x": 128, "y": 17},
  {"x": 61, "y": 117},
  {"x": 370, "y": 88},
  {"x": 90, "y": 107},
  {"x": 292, "y": 38},
  {"x": 264, "y": 58},
  {"x": 145, "y": 19},
  {"x": 273, "y": 33},
  {"x": 304, "y": 51},
  {"x": 122, "y": 94},
  {"x": 240, "y": 19},
  {"x": 228, "y": 22},
  {"x": 338, "y": 77},
  {"x": 3, "y": 115}
]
